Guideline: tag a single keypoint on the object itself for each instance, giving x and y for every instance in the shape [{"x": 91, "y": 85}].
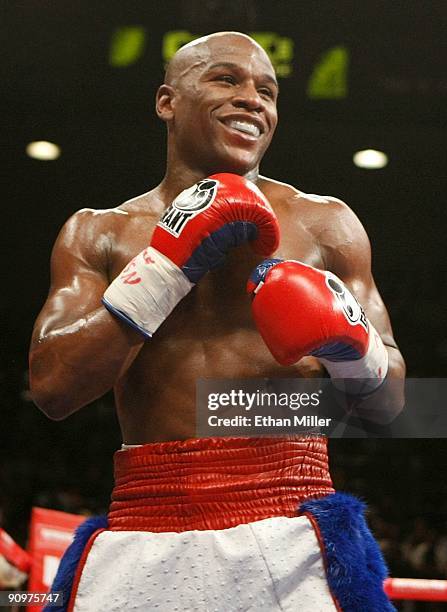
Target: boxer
[{"x": 149, "y": 296}]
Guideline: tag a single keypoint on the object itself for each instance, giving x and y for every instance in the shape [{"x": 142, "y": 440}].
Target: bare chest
[
  {"x": 210, "y": 332},
  {"x": 297, "y": 242},
  {"x": 220, "y": 296}
]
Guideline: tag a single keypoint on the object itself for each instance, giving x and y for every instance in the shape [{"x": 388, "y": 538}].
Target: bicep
[
  {"x": 350, "y": 259},
  {"x": 78, "y": 280}
]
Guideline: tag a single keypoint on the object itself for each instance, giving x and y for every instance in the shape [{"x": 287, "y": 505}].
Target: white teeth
[{"x": 244, "y": 126}]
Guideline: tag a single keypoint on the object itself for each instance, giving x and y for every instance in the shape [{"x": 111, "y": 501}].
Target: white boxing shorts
[
  {"x": 272, "y": 565},
  {"x": 225, "y": 524}
]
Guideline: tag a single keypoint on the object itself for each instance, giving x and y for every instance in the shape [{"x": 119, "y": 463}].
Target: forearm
[
  {"x": 383, "y": 405},
  {"x": 72, "y": 365}
]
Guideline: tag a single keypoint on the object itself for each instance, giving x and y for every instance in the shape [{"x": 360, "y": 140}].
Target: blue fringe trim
[
  {"x": 69, "y": 562},
  {"x": 355, "y": 565}
]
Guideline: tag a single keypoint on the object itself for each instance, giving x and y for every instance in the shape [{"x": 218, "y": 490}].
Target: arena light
[
  {"x": 370, "y": 159},
  {"x": 44, "y": 150}
]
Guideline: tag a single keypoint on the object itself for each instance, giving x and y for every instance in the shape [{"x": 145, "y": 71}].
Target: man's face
[{"x": 225, "y": 106}]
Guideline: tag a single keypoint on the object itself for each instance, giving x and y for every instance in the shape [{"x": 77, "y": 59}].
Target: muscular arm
[
  {"x": 348, "y": 254},
  {"x": 78, "y": 349}
]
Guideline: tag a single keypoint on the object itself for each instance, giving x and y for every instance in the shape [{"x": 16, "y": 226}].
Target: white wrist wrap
[
  {"x": 361, "y": 376},
  {"x": 147, "y": 291}
]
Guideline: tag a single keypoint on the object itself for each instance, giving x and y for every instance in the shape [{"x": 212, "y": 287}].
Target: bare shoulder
[
  {"x": 286, "y": 194},
  {"x": 86, "y": 236},
  {"x": 107, "y": 219},
  {"x": 90, "y": 223},
  {"x": 331, "y": 221},
  {"x": 93, "y": 231}
]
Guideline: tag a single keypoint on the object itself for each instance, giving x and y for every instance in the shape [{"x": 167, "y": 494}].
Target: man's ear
[{"x": 164, "y": 102}]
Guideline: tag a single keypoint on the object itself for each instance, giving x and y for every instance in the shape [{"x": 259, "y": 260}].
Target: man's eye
[
  {"x": 265, "y": 91},
  {"x": 226, "y": 78}
]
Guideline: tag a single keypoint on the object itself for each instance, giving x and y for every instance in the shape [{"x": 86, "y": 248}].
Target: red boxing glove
[
  {"x": 206, "y": 220},
  {"x": 193, "y": 237},
  {"x": 300, "y": 311}
]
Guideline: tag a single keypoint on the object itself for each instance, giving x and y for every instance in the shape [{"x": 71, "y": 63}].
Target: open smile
[{"x": 247, "y": 129}]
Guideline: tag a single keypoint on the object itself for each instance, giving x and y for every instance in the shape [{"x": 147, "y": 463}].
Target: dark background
[{"x": 58, "y": 85}]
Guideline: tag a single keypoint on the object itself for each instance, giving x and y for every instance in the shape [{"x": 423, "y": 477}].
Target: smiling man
[
  {"x": 208, "y": 129},
  {"x": 150, "y": 296}
]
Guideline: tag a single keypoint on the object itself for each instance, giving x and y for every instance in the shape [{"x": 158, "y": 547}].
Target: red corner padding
[
  {"x": 416, "y": 589},
  {"x": 51, "y": 532},
  {"x": 13, "y": 553}
]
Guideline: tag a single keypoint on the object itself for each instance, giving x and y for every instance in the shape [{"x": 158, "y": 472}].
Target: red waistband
[{"x": 215, "y": 483}]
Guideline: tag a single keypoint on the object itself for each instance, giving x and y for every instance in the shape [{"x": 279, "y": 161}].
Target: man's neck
[{"x": 181, "y": 176}]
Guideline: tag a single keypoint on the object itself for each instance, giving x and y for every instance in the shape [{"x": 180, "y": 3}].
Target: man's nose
[{"x": 247, "y": 96}]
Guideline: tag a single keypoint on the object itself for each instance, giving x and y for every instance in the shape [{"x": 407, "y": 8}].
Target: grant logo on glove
[
  {"x": 300, "y": 311},
  {"x": 352, "y": 309},
  {"x": 193, "y": 237},
  {"x": 187, "y": 204}
]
